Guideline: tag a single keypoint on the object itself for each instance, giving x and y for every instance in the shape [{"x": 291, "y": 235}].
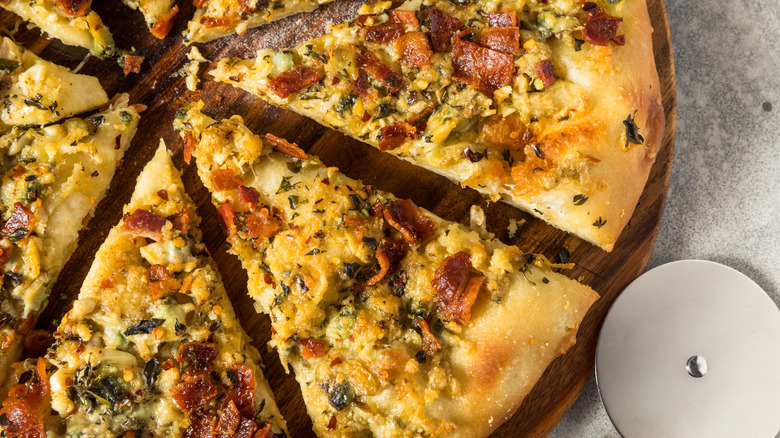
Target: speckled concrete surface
[{"x": 724, "y": 195}]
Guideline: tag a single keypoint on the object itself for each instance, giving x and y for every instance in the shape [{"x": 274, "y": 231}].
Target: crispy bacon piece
[
  {"x": 403, "y": 17},
  {"x": 485, "y": 69},
  {"x": 420, "y": 121},
  {"x": 225, "y": 179},
  {"x": 37, "y": 342},
  {"x": 290, "y": 149},
  {"x": 395, "y": 135},
  {"x": 413, "y": 49},
  {"x": 158, "y": 273},
  {"x": 405, "y": 217},
  {"x": 26, "y": 325},
  {"x": 384, "y": 33},
  {"x": 201, "y": 425},
  {"x": 74, "y": 8},
  {"x": 229, "y": 418},
  {"x": 311, "y": 348},
  {"x": 22, "y": 218},
  {"x": 133, "y": 64},
  {"x": 209, "y": 22},
  {"x": 193, "y": 393},
  {"x": 502, "y": 19},
  {"x": 24, "y": 407},
  {"x": 242, "y": 394},
  {"x": 546, "y": 72},
  {"x": 199, "y": 3},
  {"x": 181, "y": 221},
  {"x": 248, "y": 429},
  {"x": 189, "y": 146},
  {"x": 502, "y": 39},
  {"x": 5, "y": 254},
  {"x": 430, "y": 344},
  {"x": 227, "y": 217},
  {"x": 443, "y": 28},
  {"x": 264, "y": 431},
  {"x": 248, "y": 197},
  {"x": 199, "y": 355},
  {"x": 164, "y": 24},
  {"x": 362, "y": 87},
  {"x": 161, "y": 282},
  {"x": 261, "y": 225},
  {"x": 457, "y": 285},
  {"x": 249, "y": 6},
  {"x": 380, "y": 71},
  {"x": 293, "y": 81},
  {"x": 601, "y": 28},
  {"x": 143, "y": 223},
  {"x": 389, "y": 254}
]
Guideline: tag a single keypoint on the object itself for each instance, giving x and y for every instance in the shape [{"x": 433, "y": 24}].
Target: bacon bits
[
  {"x": 164, "y": 24},
  {"x": 362, "y": 87},
  {"x": 404, "y": 17},
  {"x": 201, "y": 425},
  {"x": 395, "y": 135},
  {"x": 457, "y": 285},
  {"x": 199, "y": 356},
  {"x": 189, "y": 146},
  {"x": 293, "y": 81},
  {"x": 242, "y": 394},
  {"x": 384, "y": 33},
  {"x": 502, "y": 39},
  {"x": 37, "y": 342},
  {"x": 546, "y": 72},
  {"x": 290, "y": 149},
  {"x": 24, "y": 407},
  {"x": 502, "y": 19},
  {"x": 413, "y": 49},
  {"x": 260, "y": 225},
  {"x": 485, "y": 69},
  {"x": 143, "y": 223},
  {"x": 443, "y": 28},
  {"x": 74, "y": 8},
  {"x": 161, "y": 282},
  {"x": 312, "y": 348},
  {"x": 601, "y": 28},
  {"x": 229, "y": 418},
  {"x": 193, "y": 393},
  {"x": 248, "y": 197},
  {"x": 430, "y": 344},
  {"x": 389, "y": 255},
  {"x": 181, "y": 221},
  {"x": 19, "y": 224},
  {"x": 405, "y": 217},
  {"x": 227, "y": 218},
  {"x": 379, "y": 70},
  {"x": 132, "y": 64},
  {"x": 225, "y": 179}
]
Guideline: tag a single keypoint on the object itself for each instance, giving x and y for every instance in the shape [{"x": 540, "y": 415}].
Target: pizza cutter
[{"x": 691, "y": 348}]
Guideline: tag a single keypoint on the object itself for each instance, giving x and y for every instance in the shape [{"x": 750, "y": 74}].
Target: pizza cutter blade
[{"x": 691, "y": 348}]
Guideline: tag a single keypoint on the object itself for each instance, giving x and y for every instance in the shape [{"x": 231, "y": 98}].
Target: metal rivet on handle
[{"x": 696, "y": 366}]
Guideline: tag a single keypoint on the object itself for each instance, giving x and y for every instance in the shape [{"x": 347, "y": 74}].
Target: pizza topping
[
  {"x": 405, "y": 217},
  {"x": 546, "y": 72},
  {"x": 161, "y": 282},
  {"x": 201, "y": 425},
  {"x": 193, "y": 393},
  {"x": 290, "y": 149},
  {"x": 260, "y": 225},
  {"x": 443, "y": 28},
  {"x": 404, "y": 17},
  {"x": 293, "y": 81},
  {"x": 229, "y": 418},
  {"x": 37, "y": 342},
  {"x": 181, "y": 221},
  {"x": 389, "y": 254},
  {"x": 164, "y": 24},
  {"x": 502, "y": 39},
  {"x": 502, "y": 19},
  {"x": 242, "y": 394},
  {"x": 227, "y": 217},
  {"x": 632, "y": 131},
  {"x": 413, "y": 50},
  {"x": 384, "y": 33},
  {"x": 457, "y": 285},
  {"x": 24, "y": 408},
  {"x": 189, "y": 145},
  {"x": 601, "y": 28},
  {"x": 248, "y": 429},
  {"x": 225, "y": 179},
  {"x": 312, "y": 348},
  {"x": 248, "y": 197},
  {"x": 430, "y": 344},
  {"x": 210, "y": 22},
  {"x": 132, "y": 63},
  {"x": 74, "y": 8},
  {"x": 379, "y": 70},
  {"x": 143, "y": 223},
  {"x": 362, "y": 87},
  {"x": 20, "y": 224},
  {"x": 198, "y": 357},
  {"x": 395, "y": 135},
  {"x": 483, "y": 68}
]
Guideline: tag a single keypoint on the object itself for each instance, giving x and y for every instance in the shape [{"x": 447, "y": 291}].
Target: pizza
[
  {"x": 38, "y": 92},
  {"x": 152, "y": 346},
  {"x": 395, "y": 322},
  {"x": 217, "y": 18},
  {"x": 71, "y": 21},
  {"x": 52, "y": 180},
  {"x": 553, "y": 107},
  {"x": 158, "y": 14}
]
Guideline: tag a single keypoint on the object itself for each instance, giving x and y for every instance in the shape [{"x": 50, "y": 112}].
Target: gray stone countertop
[{"x": 723, "y": 203}]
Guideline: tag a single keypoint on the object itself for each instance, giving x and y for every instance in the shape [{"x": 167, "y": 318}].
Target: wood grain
[{"x": 160, "y": 88}]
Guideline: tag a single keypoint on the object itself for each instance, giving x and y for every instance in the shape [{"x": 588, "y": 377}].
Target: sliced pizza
[
  {"x": 71, "y": 21},
  {"x": 553, "y": 107},
  {"x": 39, "y": 92},
  {"x": 52, "y": 180},
  {"x": 152, "y": 346},
  {"x": 218, "y": 18},
  {"x": 158, "y": 14},
  {"x": 396, "y": 322}
]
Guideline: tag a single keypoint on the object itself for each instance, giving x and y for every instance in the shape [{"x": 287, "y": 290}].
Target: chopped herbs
[
  {"x": 179, "y": 328},
  {"x": 599, "y": 222},
  {"x": 371, "y": 242},
  {"x": 578, "y": 44},
  {"x": 293, "y": 199},
  {"x": 294, "y": 166},
  {"x": 18, "y": 234},
  {"x": 285, "y": 185},
  {"x": 474, "y": 156},
  {"x": 420, "y": 356},
  {"x": 35, "y": 102},
  {"x": 632, "y": 132},
  {"x": 144, "y": 326},
  {"x": 340, "y": 395},
  {"x": 8, "y": 65},
  {"x": 545, "y": 280},
  {"x": 315, "y": 251},
  {"x": 351, "y": 268},
  {"x": 580, "y": 199},
  {"x": 125, "y": 117},
  {"x": 151, "y": 371}
]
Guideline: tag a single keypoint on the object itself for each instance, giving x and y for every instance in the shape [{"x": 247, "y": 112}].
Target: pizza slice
[
  {"x": 217, "y": 18},
  {"x": 553, "y": 107},
  {"x": 396, "y": 322},
  {"x": 158, "y": 14},
  {"x": 52, "y": 180},
  {"x": 152, "y": 346},
  {"x": 71, "y": 21},
  {"x": 39, "y": 92}
]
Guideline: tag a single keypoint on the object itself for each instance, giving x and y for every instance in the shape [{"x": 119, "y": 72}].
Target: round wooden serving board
[{"x": 160, "y": 88}]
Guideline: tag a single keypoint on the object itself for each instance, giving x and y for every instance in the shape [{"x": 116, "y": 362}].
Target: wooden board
[{"x": 163, "y": 91}]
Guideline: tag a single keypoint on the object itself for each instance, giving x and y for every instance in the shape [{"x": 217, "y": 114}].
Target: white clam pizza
[
  {"x": 152, "y": 346},
  {"x": 395, "y": 322},
  {"x": 52, "y": 179},
  {"x": 34, "y": 91},
  {"x": 551, "y": 106}
]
